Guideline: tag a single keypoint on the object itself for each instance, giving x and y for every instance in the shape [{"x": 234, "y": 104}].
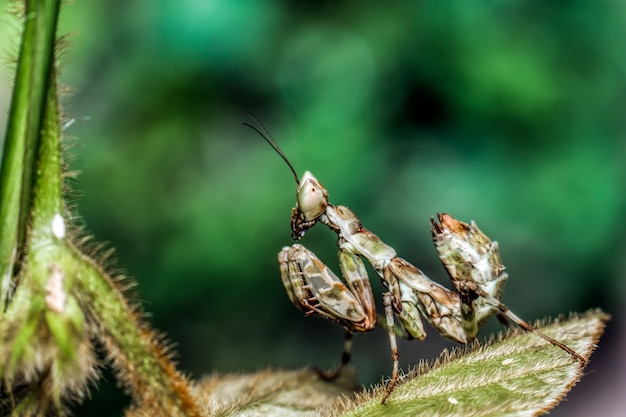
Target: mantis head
[
  {"x": 311, "y": 203},
  {"x": 312, "y": 197}
]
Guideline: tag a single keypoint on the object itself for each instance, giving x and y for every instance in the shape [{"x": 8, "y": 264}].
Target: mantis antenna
[{"x": 262, "y": 131}]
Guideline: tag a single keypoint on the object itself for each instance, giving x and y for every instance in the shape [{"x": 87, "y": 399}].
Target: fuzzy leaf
[
  {"x": 271, "y": 392},
  {"x": 516, "y": 374}
]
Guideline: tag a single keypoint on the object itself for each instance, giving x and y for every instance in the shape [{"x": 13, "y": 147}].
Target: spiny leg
[
  {"x": 395, "y": 356},
  {"x": 504, "y": 310},
  {"x": 346, "y": 357},
  {"x": 473, "y": 262},
  {"x": 504, "y": 321},
  {"x": 399, "y": 331}
]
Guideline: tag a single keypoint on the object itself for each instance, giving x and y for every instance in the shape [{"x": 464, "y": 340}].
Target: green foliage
[
  {"x": 515, "y": 375},
  {"x": 505, "y": 113},
  {"x": 57, "y": 302},
  {"x": 508, "y": 113}
]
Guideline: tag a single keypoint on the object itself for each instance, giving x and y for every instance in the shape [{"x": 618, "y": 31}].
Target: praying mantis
[{"x": 471, "y": 259}]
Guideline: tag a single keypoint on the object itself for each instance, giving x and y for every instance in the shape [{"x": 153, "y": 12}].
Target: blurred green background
[{"x": 510, "y": 113}]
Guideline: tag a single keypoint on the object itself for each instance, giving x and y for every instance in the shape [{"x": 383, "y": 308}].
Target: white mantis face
[{"x": 312, "y": 197}]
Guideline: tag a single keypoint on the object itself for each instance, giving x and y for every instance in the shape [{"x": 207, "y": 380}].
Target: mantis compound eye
[{"x": 312, "y": 197}]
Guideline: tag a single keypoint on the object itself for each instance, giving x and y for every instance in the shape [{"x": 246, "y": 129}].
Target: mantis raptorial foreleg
[
  {"x": 315, "y": 289},
  {"x": 470, "y": 257}
]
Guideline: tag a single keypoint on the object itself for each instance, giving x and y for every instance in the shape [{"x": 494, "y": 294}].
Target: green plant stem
[
  {"x": 34, "y": 69},
  {"x": 64, "y": 299},
  {"x": 142, "y": 364},
  {"x": 47, "y": 192}
]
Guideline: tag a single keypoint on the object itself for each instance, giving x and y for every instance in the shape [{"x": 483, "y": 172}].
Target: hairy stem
[
  {"x": 34, "y": 69},
  {"x": 142, "y": 364},
  {"x": 60, "y": 300}
]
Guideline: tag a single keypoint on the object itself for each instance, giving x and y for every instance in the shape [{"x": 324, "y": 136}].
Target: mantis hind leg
[
  {"x": 505, "y": 321},
  {"x": 504, "y": 311},
  {"x": 346, "y": 357}
]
